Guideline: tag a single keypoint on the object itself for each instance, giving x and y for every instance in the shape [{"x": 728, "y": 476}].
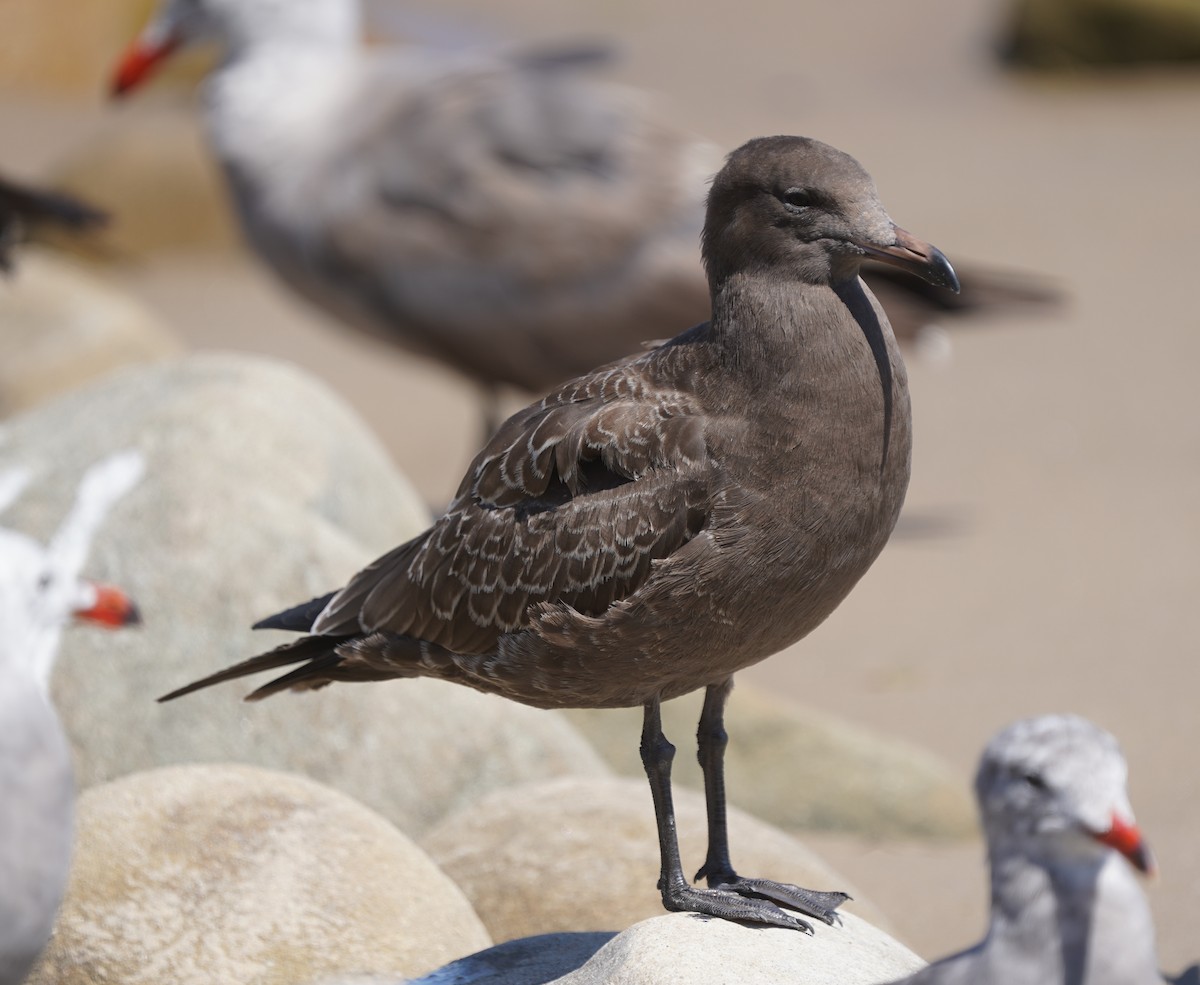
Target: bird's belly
[{"x": 728, "y": 608}]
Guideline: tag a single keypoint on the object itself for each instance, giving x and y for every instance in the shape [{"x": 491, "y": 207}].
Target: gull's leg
[
  {"x": 717, "y": 869},
  {"x": 677, "y": 894}
]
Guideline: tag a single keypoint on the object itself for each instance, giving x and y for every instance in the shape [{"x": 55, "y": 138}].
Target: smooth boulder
[
  {"x": 685, "y": 947},
  {"x": 581, "y": 854},
  {"x": 61, "y": 326},
  {"x": 801, "y": 769},
  {"x": 225, "y": 873},
  {"x": 262, "y": 489}
]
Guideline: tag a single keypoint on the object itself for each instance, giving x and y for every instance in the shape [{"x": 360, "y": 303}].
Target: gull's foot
[
  {"x": 823, "y": 906},
  {"x": 732, "y": 905}
]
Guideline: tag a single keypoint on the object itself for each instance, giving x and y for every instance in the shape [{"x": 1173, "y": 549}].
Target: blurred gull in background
[
  {"x": 503, "y": 212},
  {"x": 40, "y": 592},
  {"x": 1066, "y": 906}
]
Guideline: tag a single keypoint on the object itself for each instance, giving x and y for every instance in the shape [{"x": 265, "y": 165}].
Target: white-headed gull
[
  {"x": 41, "y": 592},
  {"x": 1066, "y": 906}
]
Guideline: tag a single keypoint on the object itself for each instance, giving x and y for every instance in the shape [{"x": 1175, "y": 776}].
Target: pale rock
[
  {"x": 61, "y": 326},
  {"x": 801, "y": 769},
  {"x": 221, "y": 873},
  {"x": 262, "y": 490},
  {"x": 685, "y": 947}
]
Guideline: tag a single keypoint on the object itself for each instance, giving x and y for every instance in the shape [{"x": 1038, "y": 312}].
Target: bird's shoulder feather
[{"x": 572, "y": 501}]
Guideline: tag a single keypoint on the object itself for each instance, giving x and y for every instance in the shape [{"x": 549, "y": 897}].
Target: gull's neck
[
  {"x": 330, "y": 26},
  {"x": 1082, "y": 921},
  {"x": 757, "y": 313},
  {"x": 273, "y": 110}
]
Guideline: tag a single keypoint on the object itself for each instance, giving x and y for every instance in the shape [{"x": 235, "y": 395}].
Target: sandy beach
[{"x": 1050, "y": 555}]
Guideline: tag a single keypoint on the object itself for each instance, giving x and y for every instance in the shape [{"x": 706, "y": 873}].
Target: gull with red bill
[
  {"x": 505, "y": 212},
  {"x": 1062, "y": 847},
  {"x": 41, "y": 592}
]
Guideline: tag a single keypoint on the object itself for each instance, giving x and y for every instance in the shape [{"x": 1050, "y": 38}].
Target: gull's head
[
  {"x": 800, "y": 209},
  {"x": 38, "y": 599},
  {"x": 42, "y": 588},
  {"x": 234, "y": 26},
  {"x": 1052, "y": 789}
]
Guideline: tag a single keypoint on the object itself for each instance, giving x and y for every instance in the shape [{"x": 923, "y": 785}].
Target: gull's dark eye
[
  {"x": 1034, "y": 780},
  {"x": 45, "y": 581},
  {"x": 798, "y": 198}
]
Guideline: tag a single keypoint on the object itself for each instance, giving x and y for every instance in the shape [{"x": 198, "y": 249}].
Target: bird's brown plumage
[
  {"x": 664, "y": 521},
  {"x": 660, "y": 523}
]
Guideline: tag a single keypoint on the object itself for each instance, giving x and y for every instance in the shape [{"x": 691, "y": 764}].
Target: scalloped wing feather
[{"x": 570, "y": 503}]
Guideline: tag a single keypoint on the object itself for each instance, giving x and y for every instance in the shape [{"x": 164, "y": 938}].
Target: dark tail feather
[
  {"x": 299, "y": 618},
  {"x": 310, "y": 648},
  {"x": 324, "y": 670},
  {"x": 315, "y": 674}
]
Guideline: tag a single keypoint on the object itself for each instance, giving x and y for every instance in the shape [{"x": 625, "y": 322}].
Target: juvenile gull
[
  {"x": 40, "y": 592},
  {"x": 657, "y": 525},
  {"x": 507, "y": 214},
  {"x": 1066, "y": 906}
]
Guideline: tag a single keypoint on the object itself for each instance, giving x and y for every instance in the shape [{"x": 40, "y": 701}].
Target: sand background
[{"x": 1056, "y": 475}]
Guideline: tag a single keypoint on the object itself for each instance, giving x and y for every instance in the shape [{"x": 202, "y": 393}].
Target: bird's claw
[
  {"x": 822, "y": 905},
  {"x": 732, "y": 906}
]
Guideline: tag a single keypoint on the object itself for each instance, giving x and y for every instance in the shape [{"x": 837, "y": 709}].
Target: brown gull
[{"x": 655, "y": 526}]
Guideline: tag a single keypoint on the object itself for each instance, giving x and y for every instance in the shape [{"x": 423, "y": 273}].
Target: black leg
[
  {"x": 677, "y": 894},
  {"x": 711, "y": 739}
]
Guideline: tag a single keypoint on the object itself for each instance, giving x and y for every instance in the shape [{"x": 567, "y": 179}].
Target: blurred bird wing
[
  {"x": 571, "y": 502},
  {"x": 528, "y": 166}
]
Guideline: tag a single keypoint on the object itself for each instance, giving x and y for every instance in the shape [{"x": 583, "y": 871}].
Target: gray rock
[
  {"x": 685, "y": 947},
  {"x": 228, "y": 873},
  {"x": 581, "y": 855},
  {"x": 262, "y": 490},
  {"x": 800, "y": 769},
  {"x": 60, "y": 326}
]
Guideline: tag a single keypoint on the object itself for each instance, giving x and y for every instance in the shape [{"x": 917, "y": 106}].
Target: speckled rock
[
  {"x": 61, "y": 326},
  {"x": 578, "y": 854},
  {"x": 801, "y": 769},
  {"x": 262, "y": 489},
  {"x": 207, "y": 874},
  {"x": 683, "y": 947}
]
